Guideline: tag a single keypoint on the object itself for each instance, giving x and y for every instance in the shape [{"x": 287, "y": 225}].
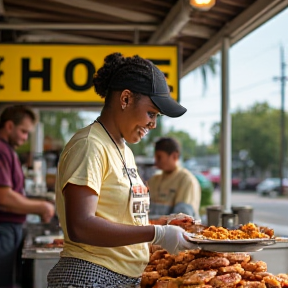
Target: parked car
[
  {"x": 214, "y": 175},
  {"x": 271, "y": 186}
]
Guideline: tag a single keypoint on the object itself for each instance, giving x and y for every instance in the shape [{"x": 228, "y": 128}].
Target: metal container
[
  {"x": 245, "y": 213},
  {"x": 229, "y": 220},
  {"x": 214, "y": 215}
]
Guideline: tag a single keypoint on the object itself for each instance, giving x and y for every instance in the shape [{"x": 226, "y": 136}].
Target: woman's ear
[{"x": 125, "y": 98}]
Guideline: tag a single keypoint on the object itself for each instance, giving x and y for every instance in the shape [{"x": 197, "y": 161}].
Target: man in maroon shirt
[{"x": 16, "y": 122}]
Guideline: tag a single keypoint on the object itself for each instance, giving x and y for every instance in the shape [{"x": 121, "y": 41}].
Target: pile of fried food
[
  {"x": 247, "y": 231},
  {"x": 203, "y": 269}
]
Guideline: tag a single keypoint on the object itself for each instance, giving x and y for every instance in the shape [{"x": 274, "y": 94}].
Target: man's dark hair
[
  {"x": 16, "y": 114},
  {"x": 168, "y": 145}
]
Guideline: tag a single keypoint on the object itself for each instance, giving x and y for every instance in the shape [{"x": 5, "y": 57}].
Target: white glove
[{"x": 171, "y": 238}]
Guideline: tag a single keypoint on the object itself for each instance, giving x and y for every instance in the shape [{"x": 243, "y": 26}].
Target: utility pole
[{"x": 283, "y": 80}]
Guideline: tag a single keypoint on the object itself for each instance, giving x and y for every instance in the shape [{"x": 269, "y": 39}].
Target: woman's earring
[{"x": 123, "y": 106}]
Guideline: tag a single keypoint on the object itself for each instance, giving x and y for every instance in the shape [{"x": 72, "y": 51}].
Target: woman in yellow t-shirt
[{"x": 101, "y": 201}]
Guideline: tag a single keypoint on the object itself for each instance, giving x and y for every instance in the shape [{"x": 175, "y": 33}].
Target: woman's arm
[{"x": 83, "y": 226}]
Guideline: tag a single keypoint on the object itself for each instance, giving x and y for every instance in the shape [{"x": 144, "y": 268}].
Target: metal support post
[{"x": 225, "y": 130}]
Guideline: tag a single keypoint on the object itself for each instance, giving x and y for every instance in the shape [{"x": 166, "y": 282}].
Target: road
[{"x": 271, "y": 212}]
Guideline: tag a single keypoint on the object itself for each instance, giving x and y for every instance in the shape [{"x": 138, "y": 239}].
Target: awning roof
[{"x": 197, "y": 33}]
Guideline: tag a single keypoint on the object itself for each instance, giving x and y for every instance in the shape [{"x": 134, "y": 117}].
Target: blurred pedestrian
[
  {"x": 16, "y": 122},
  {"x": 175, "y": 189}
]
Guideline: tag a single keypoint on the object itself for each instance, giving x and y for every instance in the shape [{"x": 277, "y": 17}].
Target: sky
[{"x": 254, "y": 61}]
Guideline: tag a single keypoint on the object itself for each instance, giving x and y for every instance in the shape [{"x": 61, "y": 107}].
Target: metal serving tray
[{"x": 243, "y": 245}]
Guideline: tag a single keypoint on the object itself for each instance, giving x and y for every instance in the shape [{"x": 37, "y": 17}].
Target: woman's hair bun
[{"x": 103, "y": 76}]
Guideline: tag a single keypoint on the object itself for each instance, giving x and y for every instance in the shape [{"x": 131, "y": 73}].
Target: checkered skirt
[{"x": 73, "y": 272}]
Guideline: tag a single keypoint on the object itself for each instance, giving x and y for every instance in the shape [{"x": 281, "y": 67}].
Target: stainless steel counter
[
  {"x": 276, "y": 257},
  {"x": 43, "y": 258}
]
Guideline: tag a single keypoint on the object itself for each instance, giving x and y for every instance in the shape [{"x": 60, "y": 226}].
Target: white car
[{"x": 271, "y": 186}]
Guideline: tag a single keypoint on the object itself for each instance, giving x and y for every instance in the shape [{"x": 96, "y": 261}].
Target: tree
[
  {"x": 61, "y": 124},
  {"x": 257, "y": 131},
  {"x": 208, "y": 67}
]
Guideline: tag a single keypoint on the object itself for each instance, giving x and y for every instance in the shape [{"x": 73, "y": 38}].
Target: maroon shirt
[{"x": 11, "y": 175}]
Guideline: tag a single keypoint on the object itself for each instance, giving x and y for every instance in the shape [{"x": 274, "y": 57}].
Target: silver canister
[
  {"x": 245, "y": 213},
  {"x": 214, "y": 215},
  {"x": 229, "y": 220}
]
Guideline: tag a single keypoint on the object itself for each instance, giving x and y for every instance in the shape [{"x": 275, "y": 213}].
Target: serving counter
[{"x": 38, "y": 259}]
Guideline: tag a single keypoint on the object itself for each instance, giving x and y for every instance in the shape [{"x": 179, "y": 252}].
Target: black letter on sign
[
  {"x": 69, "y": 74},
  {"x": 45, "y": 74}
]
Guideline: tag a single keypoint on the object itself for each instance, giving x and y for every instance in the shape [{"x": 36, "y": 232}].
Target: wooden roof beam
[
  {"x": 238, "y": 3},
  {"x": 48, "y": 36},
  {"x": 75, "y": 26},
  {"x": 109, "y": 10},
  {"x": 199, "y": 31},
  {"x": 176, "y": 19}
]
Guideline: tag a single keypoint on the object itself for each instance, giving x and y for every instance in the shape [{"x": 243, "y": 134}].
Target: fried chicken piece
[
  {"x": 226, "y": 280},
  {"x": 154, "y": 248},
  {"x": 168, "y": 282},
  {"x": 150, "y": 268},
  {"x": 198, "y": 277},
  {"x": 236, "y": 268},
  {"x": 149, "y": 278},
  {"x": 185, "y": 256},
  {"x": 272, "y": 282},
  {"x": 177, "y": 270},
  {"x": 251, "y": 284},
  {"x": 158, "y": 254},
  {"x": 266, "y": 230},
  {"x": 260, "y": 275},
  {"x": 248, "y": 275},
  {"x": 207, "y": 263},
  {"x": 195, "y": 286},
  {"x": 283, "y": 276},
  {"x": 184, "y": 221},
  {"x": 238, "y": 257},
  {"x": 163, "y": 266},
  {"x": 258, "y": 266},
  {"x": 204, "y": 253}
]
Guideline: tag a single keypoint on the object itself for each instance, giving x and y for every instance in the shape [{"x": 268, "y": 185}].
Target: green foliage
[
  {"x": 256, "y": 130},
  {"x": 208, "y": 67},
  {"x": 61, "y": 124}
]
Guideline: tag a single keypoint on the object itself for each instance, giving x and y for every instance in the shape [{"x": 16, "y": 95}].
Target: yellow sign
[{"x": 63, "y": 73}]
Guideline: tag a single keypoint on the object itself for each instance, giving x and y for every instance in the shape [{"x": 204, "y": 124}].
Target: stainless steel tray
[{"x": 243, "y": 245}]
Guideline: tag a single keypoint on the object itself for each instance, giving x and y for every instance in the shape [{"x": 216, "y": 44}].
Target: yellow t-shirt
[
  {"x": 92, "y": 159},
  {"x": 166, "y": 191}
]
